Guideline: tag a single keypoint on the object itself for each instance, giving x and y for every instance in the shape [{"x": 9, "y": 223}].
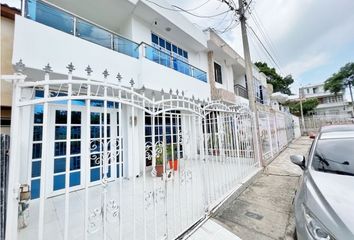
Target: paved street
[{"x": 263, "y": 211}]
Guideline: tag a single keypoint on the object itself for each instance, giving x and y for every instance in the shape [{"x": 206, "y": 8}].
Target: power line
[
  {"x": 186, "y": 11},
  {"x": 264, "y": 47},
  {"x": 248, "y": 6},
  {"x": 195, "y": 15},
  {"x": 266, "y": 37},
  {"x": 193, "y": 9},
  {"x": 271, "y": 50}
]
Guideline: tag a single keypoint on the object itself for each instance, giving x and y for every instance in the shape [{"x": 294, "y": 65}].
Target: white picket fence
[{"x": 277, "y": 130}]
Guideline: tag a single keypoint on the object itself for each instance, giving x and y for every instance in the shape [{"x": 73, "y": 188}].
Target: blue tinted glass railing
[
  {"x": 51, "y": 16},
  {"x": 47, "y": 15},
  {"x": 199, "y": 74},
  {"x": 125, "y": 46},
  {"x": 93, "y": 34},
  {"x": 170, "y": 61}
]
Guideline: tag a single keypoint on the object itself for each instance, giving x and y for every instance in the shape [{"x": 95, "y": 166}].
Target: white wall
[
  {"x": 179, "y": 20},
  {"x": 227, "y": 75},
  {"x": 37, "y": 45},
  {"x": 156, "y": 76}
]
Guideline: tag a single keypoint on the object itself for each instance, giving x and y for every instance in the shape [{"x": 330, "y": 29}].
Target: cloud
[{"x": 305, "y": 63}]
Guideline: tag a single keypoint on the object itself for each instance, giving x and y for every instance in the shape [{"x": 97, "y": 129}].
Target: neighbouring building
[
  {"x": 227, "y": 73},
  {"x": 329, "y": 103},
  {"x": 7, "y": 37}
]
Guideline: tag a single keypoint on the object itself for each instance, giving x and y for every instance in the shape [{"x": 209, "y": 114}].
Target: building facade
[
  {"x": 227, "y": 73},
  {"x": 7, "y": 36},
  {"x": 329, "y": 103},
  {"x": 115, "y": 132}
]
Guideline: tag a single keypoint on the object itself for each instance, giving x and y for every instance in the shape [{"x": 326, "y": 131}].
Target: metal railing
[
  {"x": 171, "y": 61},
  {"x": 241, "y": 91},
  {"x": 64, "y": 21},
  {"x": 142, "y": 190},
  {"x": 69, "y": 23},
  {"x": 4, "y": 165}
]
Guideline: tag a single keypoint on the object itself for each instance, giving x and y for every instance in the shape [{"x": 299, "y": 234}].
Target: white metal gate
[{"x": 108, "y": 162}]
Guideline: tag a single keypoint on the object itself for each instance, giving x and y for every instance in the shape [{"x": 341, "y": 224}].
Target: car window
[
  {"x": 334, "y": 156},
  {"x": 309, "y": 154}
]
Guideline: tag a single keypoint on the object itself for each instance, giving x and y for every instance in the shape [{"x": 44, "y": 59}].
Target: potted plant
[
  {"x": 171, "y": 151},
  {"x": 159, "y": 161},
  {"x": 213, "y": 143}
]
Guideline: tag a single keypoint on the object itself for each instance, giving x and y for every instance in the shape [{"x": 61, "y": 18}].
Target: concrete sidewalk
[{"x": 263, "y": 211}]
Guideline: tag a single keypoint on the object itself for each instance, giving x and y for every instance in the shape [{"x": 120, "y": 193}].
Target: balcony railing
[
  {"x": 241, "y": 91},
  {"x": 66, "y": 22},
  {"x": 168, "y": 60}
]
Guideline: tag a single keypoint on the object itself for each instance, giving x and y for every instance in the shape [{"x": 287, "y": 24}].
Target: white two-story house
[
  {"x": 113, "y": 131},
  {"x": 329, "y": 103},
  {"x": 227, "y": 73}
]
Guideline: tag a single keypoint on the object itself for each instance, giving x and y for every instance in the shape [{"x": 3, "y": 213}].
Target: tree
[
  {"x": 307, "y": 106},
  {"x": 341, "y": 80},
  {"x": 280, "y": 84}
]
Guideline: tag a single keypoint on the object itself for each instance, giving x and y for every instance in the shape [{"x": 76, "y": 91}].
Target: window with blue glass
[
  {"x": 172, "y": 130},
  {"x": 97, "y": 138},
  {"x": 169, "y": 48},
  {"x": 63, "y": 138},
  {"x": 119, "y": 150},
  {"x": 37, "y": 140}
]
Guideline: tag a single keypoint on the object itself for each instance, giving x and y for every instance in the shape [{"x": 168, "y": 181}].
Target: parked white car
[{"x": 324, "y": 202}]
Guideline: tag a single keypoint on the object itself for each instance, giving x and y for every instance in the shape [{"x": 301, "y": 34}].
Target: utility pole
[
  {"x": 250, "y": 83},
  {"x": 301, "y": 111},
  {"x": 247, "y": 56},
  {"x": 249, "y": 76},
  {"x": 350, "y": 82}
]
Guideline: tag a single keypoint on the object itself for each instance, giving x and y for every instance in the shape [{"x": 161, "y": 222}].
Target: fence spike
[
  {"x": 162, "y": 91},
  {"x": 170, "y": 91},
  {"x": 70, "y": 67},
  {"x": 48, "y": 69},
  {"x": 88, "y": 70},
  {"x": 105, "y": 73},
  {"x": 119, "y": 77},
  {"x": 132, "y": 82},
  {"x": 177, "y": 92},
  {"x": 20, "y": 66},
  {"x": 143, "y": 88}
]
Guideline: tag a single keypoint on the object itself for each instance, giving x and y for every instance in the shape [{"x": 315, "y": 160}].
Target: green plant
[
  {"x": 171, "y": 155},
  {"x": 159, "y": 155},
  {"x": 213, "y": 141}
]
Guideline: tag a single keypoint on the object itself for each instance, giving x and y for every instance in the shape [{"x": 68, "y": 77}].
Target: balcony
[
  {"x": 66, "y": 22},
  {"x": 241, "y": 91},
  {"x": 61, "y": 20},
  {"x": 171, "y": 61}
]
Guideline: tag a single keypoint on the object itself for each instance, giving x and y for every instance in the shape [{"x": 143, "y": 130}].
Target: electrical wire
[
  {"x": 248, "y": 5},
  {"x": 266, "y": 37},
  {"x": 195, "y": 15},
  {"x": 264, "y": 47},
  {"x": 177, "y": 8},
  {"x": 271, "y": 49},
  {"x": 193, "y": 9}
]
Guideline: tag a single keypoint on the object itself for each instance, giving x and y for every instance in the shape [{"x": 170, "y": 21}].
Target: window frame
[{"x": 216, "y": 76}]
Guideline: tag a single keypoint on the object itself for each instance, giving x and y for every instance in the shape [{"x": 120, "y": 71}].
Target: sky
[{"x": 309, "y": 39}]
